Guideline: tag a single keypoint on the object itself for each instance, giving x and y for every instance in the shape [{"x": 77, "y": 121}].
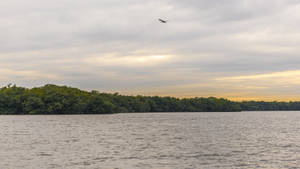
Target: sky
[{"x": 235, "y": 49}]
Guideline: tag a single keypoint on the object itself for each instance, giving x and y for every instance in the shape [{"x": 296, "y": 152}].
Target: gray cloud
[{"x": 119, "y": 45}]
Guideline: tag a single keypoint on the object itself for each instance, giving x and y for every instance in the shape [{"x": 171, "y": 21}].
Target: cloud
[
  {"x": 284, "y": 74},
  {"x": 6, "y": 74},
  {"x": 115, "y": 45},
  {"x": 136, "y": 61}
]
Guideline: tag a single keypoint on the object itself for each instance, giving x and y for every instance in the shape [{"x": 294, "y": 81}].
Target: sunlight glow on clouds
[
  {"x": 6, "y": 74},
  {"x": 112, "y": 60},
  {"x": 235, "y": 49},
  {"x": 284, "y": 74}
]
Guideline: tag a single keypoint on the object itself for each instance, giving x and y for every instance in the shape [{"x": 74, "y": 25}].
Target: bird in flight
[{"x": 162, "y": 21}]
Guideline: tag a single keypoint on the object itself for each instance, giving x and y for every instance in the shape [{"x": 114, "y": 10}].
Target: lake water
[{"x": 151, "y": 141}]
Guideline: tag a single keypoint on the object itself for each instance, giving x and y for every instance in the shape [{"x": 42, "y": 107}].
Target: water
[{"x": 151, "y": 141}]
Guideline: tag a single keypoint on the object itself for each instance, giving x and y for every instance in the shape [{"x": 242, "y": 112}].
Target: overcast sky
[{"x": 237, "y": 49}]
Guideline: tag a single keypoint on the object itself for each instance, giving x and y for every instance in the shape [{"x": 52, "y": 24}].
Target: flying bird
[{"x": 162, "y": 21}]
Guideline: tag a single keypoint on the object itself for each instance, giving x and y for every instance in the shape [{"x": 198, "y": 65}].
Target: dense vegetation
[
  {"x": 52, "y": 99},
  {"x": 269, "y": 106}
]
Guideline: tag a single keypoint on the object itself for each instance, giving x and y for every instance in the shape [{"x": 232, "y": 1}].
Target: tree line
[{"x": 53, "y": 99}]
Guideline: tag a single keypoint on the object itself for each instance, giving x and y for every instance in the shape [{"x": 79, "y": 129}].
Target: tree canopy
[{"x": 53, "y": 99}]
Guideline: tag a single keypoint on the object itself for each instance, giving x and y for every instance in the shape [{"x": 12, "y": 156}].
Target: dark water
[{"x": 156, "y": 141}]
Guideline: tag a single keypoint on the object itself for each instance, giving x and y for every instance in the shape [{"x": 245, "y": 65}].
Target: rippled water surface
[{"x": 148, "y": 140}]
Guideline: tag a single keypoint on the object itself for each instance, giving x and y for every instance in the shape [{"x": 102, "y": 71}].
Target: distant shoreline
[
  {"x": 134, "y": 113},
  {"x": 56, "y": 100}
]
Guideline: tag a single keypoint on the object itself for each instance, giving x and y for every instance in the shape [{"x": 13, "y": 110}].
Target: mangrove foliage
[{"x": 52, "y": 99}]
